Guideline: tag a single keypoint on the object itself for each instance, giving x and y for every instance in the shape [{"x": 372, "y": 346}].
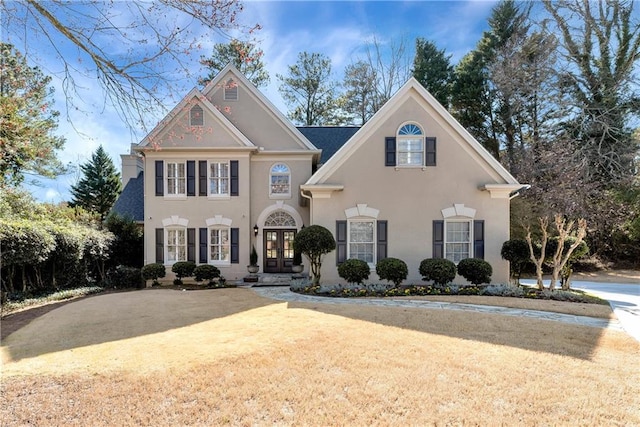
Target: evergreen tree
[
  {"x": 100, "y": 185},
  {"x": 360, "y": 91},
  {"x": 310, "y": 92},
  {"x": 27, "y": 142},
  {"x": 245, "y": 56},
  {"x": 432, "y": 68}
]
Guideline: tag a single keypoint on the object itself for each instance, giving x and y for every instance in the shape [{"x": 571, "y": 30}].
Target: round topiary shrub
[
  {"x": 440, "y": 270},
  {"x": 392, "y": 269},
  {"x": 206, "y": 272},
  {"x": 354, "y": 270},
  {"x": 153, "y": 272},
  {"x": 183, "y": 269},
  {"x": 475, "y": 270}
]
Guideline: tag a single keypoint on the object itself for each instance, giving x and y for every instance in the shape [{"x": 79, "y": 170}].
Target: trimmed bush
[
  {"x": 440, "y": 270},
  {"x": 206, "y": 272},
  {"x": 475, "y": 270},
  {"x": 183, "y": 269},
  {"x": 392, "y": 269},
  {"x": 153, "y": 272},
  {"x": 354, "y": 270}
]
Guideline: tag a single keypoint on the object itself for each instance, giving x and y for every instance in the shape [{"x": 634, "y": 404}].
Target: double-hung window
[
  {"x": 362, "y": 240},
  {"x": 457, "y": 243},
  {"x": 176, "y": 244},
  {"x": 410, "y": 145},
  {"x": 219, "y": 245},
  {"x": 219, "y": 178},
  {"x": 280, "y": 181},
  {"x": 176, "y": 179}
]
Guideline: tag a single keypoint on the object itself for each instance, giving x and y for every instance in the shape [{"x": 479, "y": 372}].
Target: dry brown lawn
[{"x": 229, "y": 357}]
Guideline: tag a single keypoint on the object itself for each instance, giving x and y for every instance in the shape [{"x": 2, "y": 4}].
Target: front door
[{"x": 278, "y": 250}]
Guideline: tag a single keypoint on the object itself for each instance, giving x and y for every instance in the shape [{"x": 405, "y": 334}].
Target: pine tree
[
  {"x": 100, "y": 185},
  {"x": 432, "y": 68},
  {"x": 245, "y": 56}
]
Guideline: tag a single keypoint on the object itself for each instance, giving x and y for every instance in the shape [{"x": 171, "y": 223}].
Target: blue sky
[{"x": 337, "y": 29}]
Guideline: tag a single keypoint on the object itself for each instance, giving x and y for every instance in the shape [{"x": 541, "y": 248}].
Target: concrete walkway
[{"x": 282, "y": 293}]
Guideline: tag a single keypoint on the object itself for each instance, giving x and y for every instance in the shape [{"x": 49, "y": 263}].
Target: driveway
[{"x": 624, "y": 299}]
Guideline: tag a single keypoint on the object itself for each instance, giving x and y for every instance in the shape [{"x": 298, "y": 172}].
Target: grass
[{"x": 229, "y": 357}]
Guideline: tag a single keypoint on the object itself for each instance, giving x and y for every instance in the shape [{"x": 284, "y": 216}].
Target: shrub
[
  {"x": 183, "y": 269},
  {"x": 440, "y": 270},
  {"x": 253, "y": 257},
  {"x": 297, "y": 258},
  {"x": 314, "y": 241},
  {"x": 153, "y": 272},
  {"x": 354, "y": 270},
  {"x": 125, "y": 277},
  {"x": 516, "y": 251},
  {"x": 206, "y": 272},
  {"x": 475, "y": 270},
  {"x": 392, "y": 269}
]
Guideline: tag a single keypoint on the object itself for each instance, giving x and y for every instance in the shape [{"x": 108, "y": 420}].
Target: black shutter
[
  {"x": 235, "y": 246},
  {"x": 203, "y": 243},
  {"x": 159, "y": 178},
  {"x": 191, "y": 178},
  {"x": 390, "y": 151},
  {"x": 478, "y": 239},
  {"x": 430, "y": 151},
  {"x": 160, "y": 245},
  {"x": 202, "y": 178},
  {"x": 341, "y": 242},
  {"x": 234, "y": 178},
  {"x": 382, "y": 240},
  {"x": 438, "y": 239},
  {"x": 191, "y": 244}
]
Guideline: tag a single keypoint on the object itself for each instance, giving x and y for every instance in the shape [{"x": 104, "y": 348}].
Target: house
[{"x": 225, "y": 171}]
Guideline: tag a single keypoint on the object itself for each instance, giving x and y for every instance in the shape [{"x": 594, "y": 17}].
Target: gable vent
[
  {"x": 231, "y": 90},
  {"x": 196, "y": 116}
]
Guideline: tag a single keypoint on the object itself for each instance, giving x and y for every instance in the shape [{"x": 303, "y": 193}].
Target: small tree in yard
[
  {"x": 313, "y": 242},
  {"x": 562, "y": 254},
  {"x": 516, "y": 251}
]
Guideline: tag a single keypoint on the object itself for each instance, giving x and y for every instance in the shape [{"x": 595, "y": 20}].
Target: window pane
[{"x": 361, "y": 244}]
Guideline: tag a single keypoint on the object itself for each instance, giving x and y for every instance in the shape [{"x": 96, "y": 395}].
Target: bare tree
[
  {"x": 391, "y": 65},
  {"x": 137, "y": 50},
  {"x": 538, "y": 261}
]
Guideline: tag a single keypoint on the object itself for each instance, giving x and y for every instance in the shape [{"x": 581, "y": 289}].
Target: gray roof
[
  {"x": 131, "y": 201},
  {"x": 328, "y": 138}
]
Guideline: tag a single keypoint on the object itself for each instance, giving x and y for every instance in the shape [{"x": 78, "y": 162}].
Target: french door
[{"x": 278, "y": 250}]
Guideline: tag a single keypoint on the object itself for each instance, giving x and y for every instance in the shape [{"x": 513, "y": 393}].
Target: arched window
[
  {"x": 280, "y": 219},
  {"x": 410, "y": 145},
  {"x": 280, "y": 181}
]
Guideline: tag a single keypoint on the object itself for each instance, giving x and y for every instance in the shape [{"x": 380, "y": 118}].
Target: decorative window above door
[{"x": 280, "y": 219}]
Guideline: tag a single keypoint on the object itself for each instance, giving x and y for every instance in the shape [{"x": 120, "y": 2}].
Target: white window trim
[
  {"x": 210, "y": 195},
  {"x": 470, "y": 242},
  {"x": 176, "y": 196},
  {"x": 279, "y": 195},
  {"x": 406, "y": 137},
  {"x": 372, "y": 265},
  {"x": 209, "y": 245},
  {"x": 166, "y": 243}
]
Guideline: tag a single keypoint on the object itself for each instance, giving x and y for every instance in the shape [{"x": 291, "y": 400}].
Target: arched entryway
[{"x": 278, "y": 224}]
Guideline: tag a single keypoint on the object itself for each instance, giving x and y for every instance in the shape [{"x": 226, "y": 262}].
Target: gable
[
  {"x": 253, "y": 114},
  {"x": 456, "y": 147},
  {"x": 195, "y": 123}
]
